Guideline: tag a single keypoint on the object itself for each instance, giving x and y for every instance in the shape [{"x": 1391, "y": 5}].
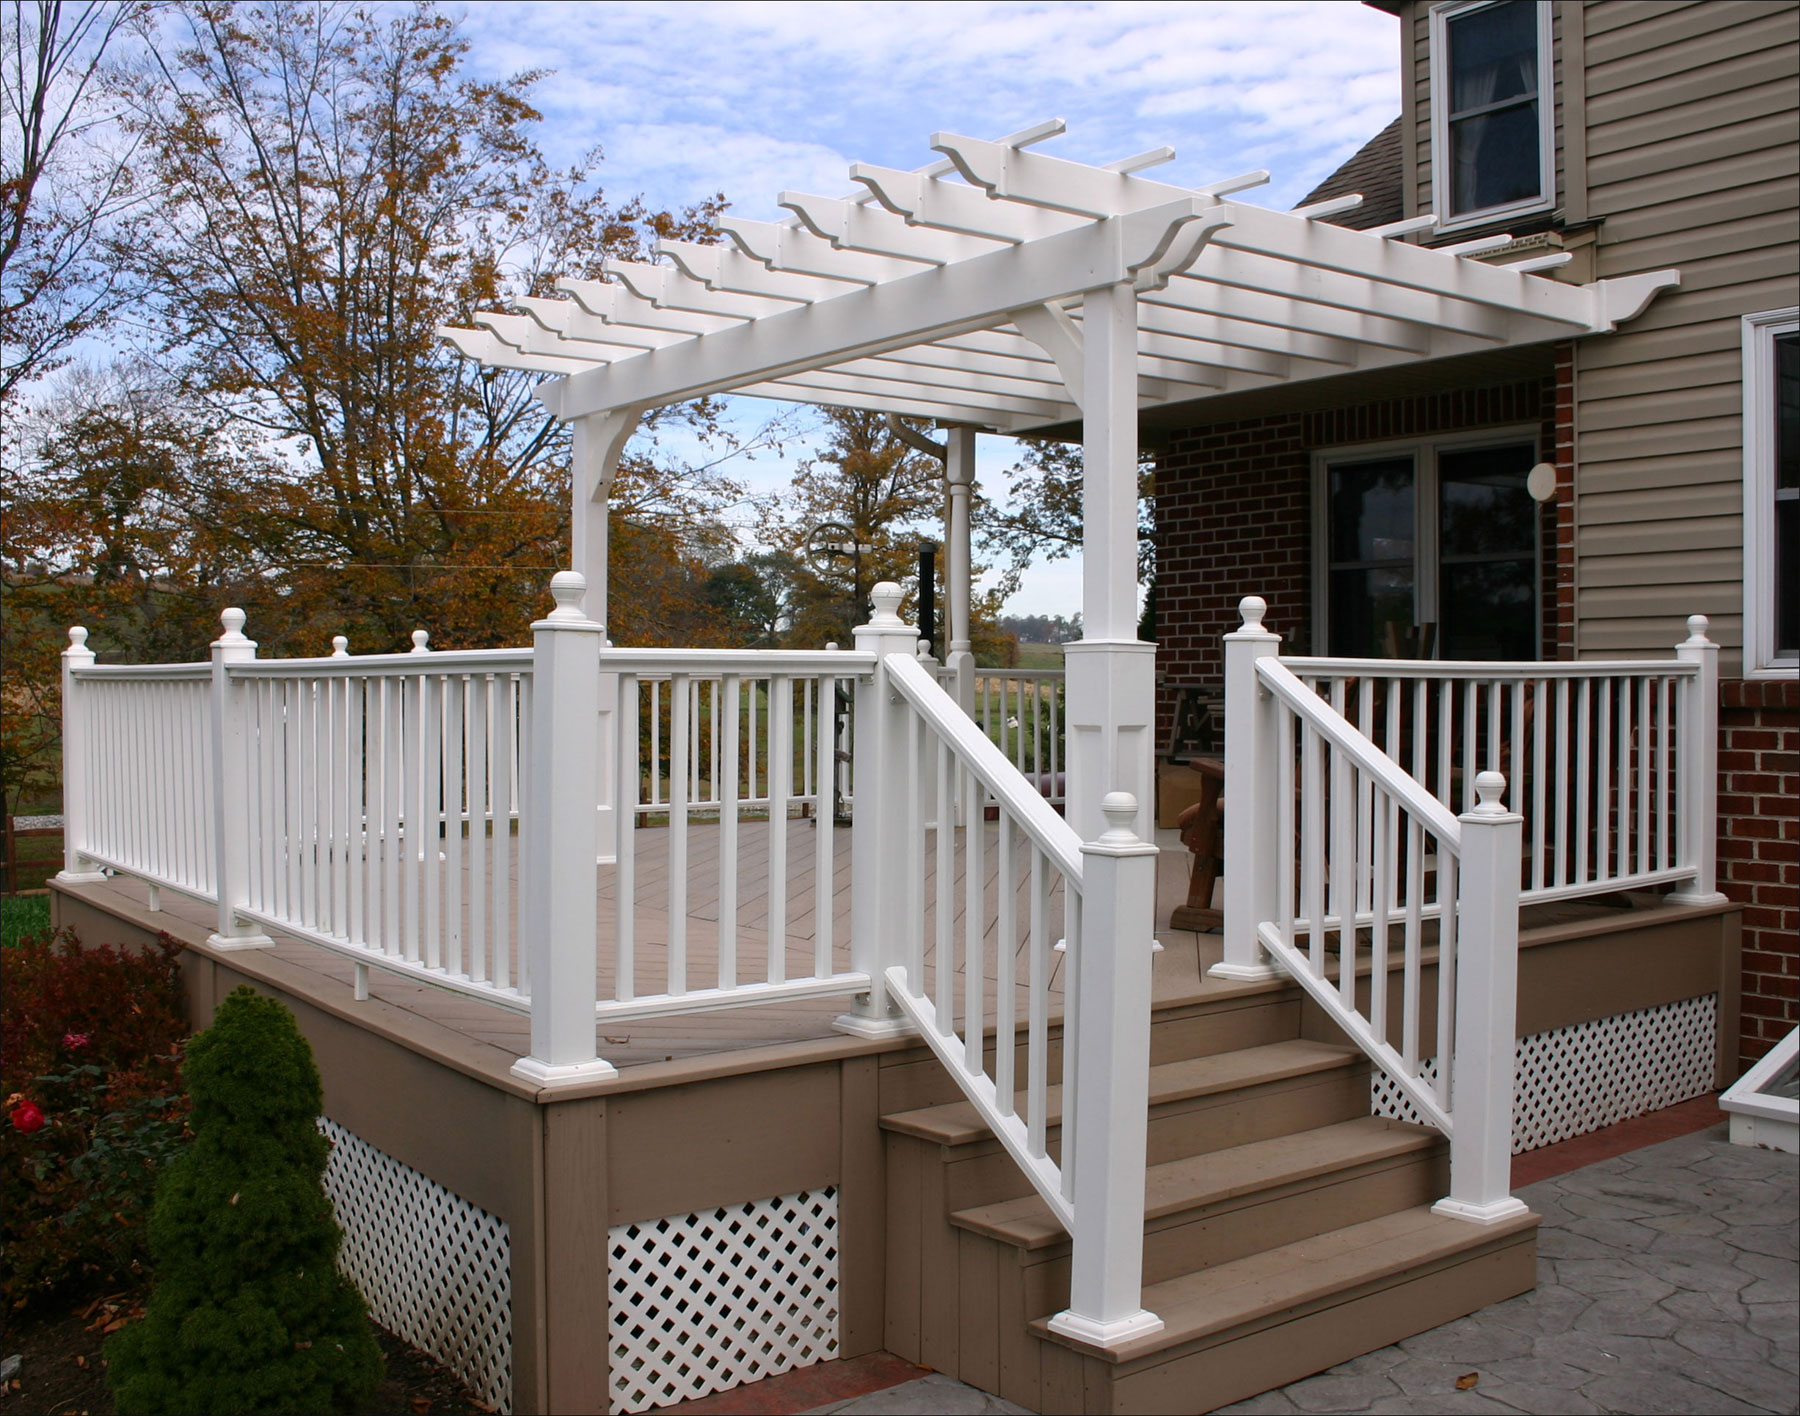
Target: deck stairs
[{"x": 1287, "y": 1229}]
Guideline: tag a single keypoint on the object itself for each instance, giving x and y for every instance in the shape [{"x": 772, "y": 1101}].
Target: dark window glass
[
  {"x": 1787, "y": 493},
  {"x": 1493, "y": 107},
  {"x": 1487, "y": 554},
  {"x": 1371, "y": 573}
]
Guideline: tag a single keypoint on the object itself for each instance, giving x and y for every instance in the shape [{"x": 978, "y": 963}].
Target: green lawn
[
  {"x": 1040, "y": 656},
  {"x": 22, "y": 915}
]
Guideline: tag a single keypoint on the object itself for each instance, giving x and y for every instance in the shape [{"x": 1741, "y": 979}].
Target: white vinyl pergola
[{"x": 1004, "y": 289}]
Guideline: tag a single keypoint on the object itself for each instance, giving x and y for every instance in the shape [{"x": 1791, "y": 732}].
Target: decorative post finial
[
  {"x": 567, "y": 587},
  {"x": 885, "y": 598},
  {"x": 1489, "y": 788},
  {"x": 1119, "y": 809},
  {"x": 233, "y": 620},
  {"x": 1697, "y": 625},
  {"x": 421, "y": 642},
  {"x": 340, "y": 646},
  {"x": 1251, "y": 609},
  {"x": 77, "y": 637}
]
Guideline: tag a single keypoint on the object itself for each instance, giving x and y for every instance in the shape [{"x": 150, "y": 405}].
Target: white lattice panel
[
  {"x": 1577, "y": 1079},
  {"x": 435, "y": 1269},
  {"x": 701, "y": 1303}
]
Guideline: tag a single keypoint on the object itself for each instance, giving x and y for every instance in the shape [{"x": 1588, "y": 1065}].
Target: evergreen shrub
[{"x": 247, "y": 1311}]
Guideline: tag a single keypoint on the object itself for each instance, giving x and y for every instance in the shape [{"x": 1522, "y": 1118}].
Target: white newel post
[
  {"x": 1487, "y": 994},
  {"x": 77, "y": 750},
  {"x": 231, "y": 746},
  {"x": 878, "y": 888},
  {"x": 1252, "y": 815},
  {"x": 1698, "y": 746},
  {"x": 1110, "y": 1117},
  {"x": 959, "y": 488},
  {"x": 1111, "y": 683},
  {"x": 561, "y": 915}
]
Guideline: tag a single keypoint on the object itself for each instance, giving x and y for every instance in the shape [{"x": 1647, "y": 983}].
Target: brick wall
[
  {"x": 1759, "y": 848},
  {"x": 1234, "y": 514}
]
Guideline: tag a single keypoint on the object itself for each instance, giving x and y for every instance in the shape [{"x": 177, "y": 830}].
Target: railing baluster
[
  {"x": 1604, "y": 864},
  {"x": 974, "y": 887},
  {"x": 943, "y": 893},
  {"x": 1662, "y": 773},
  {"x": 1583, "y": 785},
  {"x": 780, "y": 782},
  {"x": 502, "y": 728},
  {"x": 1006, "y": 950},
  {"x": 431, "y": 810},
  {"x": 1446, "y": 1010},
  {"x": 1037, "y": 1007},
  {"x": 481, "y": 822},
  {"x": 1645, "y": 731},
  {"x": 630, "y": 779},
  {"x": 455, "y": 691},
  {"x": 1312, "y": 853},
  {"x": 816, "y": 753},
  {"x": 1382, "y": 907},
  {"x": 680, "y": 687},
  {"x": 726, "y": 733},
  {"x": 1412, "y": 944}
]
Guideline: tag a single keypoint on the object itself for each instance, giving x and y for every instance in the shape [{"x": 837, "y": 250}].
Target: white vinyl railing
[
  {"x": 147, "y": 794},
  {"x": 1591, "y": 751},
  {"x": 386, "y": 792},
  {"x": 729, "y": 750},
  {"x": 1359, "y": 878},
  {"x": 962, "y": 939},
  {"x": 972, "y": 982}
]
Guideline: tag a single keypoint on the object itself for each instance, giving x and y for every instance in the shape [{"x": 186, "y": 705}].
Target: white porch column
[
  {"x": 599, "y": 442},
  {"x": 959, "y": 485},
  {"x": 1111, "y": 674}
]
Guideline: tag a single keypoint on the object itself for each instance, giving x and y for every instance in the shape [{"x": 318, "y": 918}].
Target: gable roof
[{"x": 1375, "y": 171}]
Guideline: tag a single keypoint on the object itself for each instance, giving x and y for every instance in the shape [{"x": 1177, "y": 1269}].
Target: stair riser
[
  {"x": 985, "y": 1173},
  {"x": 1284, "y": 1351},
  {"x": 1185, "y": 1242},
  {"x": 912, "y": 1081}
]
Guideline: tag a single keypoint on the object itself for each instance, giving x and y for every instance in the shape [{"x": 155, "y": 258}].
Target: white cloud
[{"x": 689, "y": 99}]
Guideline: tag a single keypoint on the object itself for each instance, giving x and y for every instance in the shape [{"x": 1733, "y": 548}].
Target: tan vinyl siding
[{"x": 1693, "y": 117}]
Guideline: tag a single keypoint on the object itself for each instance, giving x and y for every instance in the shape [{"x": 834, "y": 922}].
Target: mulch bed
[{"x": 63, "y": 1373}]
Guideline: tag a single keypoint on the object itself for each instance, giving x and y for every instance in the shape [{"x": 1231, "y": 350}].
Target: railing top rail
[
  {"x": 455, "y": 661},
  {"x": 157, "y": 673},
  {"x": 749, "y": 663},
  {"x": 1488, "y": 669},
  {"x": 1052, "y": 835},
  {"x": 1280, "y": 680}
]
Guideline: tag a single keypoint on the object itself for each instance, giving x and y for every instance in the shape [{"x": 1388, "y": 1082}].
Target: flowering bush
[{"x": 89, "y": 1064}]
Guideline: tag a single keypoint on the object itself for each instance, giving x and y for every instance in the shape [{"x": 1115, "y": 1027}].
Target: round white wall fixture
[{"x": 1541, "y": 481}]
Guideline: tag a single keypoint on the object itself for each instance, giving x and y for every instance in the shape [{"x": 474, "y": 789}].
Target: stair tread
[
  {"x": 959, "y": 1123},
  {"x": 1195, "y": 1182},
  {"x": 1245, "y": 1291}
]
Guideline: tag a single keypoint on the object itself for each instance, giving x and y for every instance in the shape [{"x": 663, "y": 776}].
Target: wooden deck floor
[
  {"x": 1179, "y": 970},
  {"x": 636, "y": 1041}
]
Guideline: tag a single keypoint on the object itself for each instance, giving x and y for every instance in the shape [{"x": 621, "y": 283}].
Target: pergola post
[
  {"x": 1111, "y": 673},
  {"x": 959, "y": 489},
  {"x": 598, "y": 442}
]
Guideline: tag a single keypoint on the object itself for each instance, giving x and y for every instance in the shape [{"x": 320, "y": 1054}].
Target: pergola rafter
[{"x": 922, "y": 294}]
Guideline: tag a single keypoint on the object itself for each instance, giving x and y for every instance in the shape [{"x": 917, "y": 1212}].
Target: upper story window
[
  {"x": 1492, "y": 125},
  {"x": 1772, "y": 493}
]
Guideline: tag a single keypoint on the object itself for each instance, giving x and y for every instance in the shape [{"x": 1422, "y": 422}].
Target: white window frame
[
  {"x": 1427, "y": 561},
  {"x": 1760, "y": 330},
  {"x": 1441, "y": 16}
]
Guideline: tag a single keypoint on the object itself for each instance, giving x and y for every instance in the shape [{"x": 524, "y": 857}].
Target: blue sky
[{"x": 688, "y": 99}]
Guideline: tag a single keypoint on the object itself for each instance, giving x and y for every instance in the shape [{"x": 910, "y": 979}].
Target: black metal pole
[{"x": 928, "y": 594}]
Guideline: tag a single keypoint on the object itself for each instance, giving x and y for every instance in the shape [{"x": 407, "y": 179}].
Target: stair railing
[
  {"x": 972, "y": 930},
  {"x": 1333, "y": 850}
]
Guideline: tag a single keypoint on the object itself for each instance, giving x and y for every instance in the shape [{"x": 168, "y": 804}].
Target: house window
[
  {"x": 1772, "y": 492},
  {"x": 1492, "y": 135},
  {"x": 1429, "y": 550}
]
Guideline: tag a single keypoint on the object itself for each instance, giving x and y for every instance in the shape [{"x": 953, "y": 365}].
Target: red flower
[
  {"x": 27, "y": 1117},
  {"x": 76, "y": 1041}
]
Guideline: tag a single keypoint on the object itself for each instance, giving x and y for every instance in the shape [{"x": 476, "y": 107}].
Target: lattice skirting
[
  {"x": 1577, "y": 1079},
  {"x": 700, "y": 1303},
  {"x": 435, "y": 1269}
]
